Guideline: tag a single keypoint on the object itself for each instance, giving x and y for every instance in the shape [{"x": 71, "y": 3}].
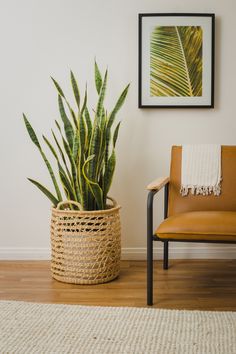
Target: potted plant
[{"x": 85, "y": 228}]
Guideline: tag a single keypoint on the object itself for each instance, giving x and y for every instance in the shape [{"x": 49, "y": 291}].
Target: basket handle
[
  {"x": 59, "y": 205},
  {"x": 113, "y": 201}
]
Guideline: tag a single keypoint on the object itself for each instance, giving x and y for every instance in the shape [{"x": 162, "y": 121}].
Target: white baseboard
[
  {"x": 24, "y": 253},
  {"x": 189, "y": 251},
  {"x": 176, "y": 251}
]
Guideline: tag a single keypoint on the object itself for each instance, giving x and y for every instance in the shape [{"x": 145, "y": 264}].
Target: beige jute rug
[{"x": 41, "y": 328}]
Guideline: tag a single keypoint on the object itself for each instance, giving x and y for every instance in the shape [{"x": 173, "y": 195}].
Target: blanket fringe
[{"x": 201, "y": 190}]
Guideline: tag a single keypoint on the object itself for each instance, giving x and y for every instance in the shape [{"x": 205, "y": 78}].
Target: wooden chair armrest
[{"x": 158, "y": 183}]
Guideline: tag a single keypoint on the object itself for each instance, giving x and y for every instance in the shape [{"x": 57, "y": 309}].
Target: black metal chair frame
[{"x": 152, "y": 237}]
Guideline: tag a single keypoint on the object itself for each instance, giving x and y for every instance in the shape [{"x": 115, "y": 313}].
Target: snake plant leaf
[
  {"x": 58, "y": 126},
  {"x": 108, "y": 138},
  {"x": 83, "y": 185},
  {"x": 50, "y": 170},
  {"x": 31, "y": 132},
  {"x": 109, "y": 172},
  {"x": 85, "y": 102},
  {"x": 62, "y": 155},
  {"x": 34, "y": 139},
  {"x": 102, "y": 144},
  {"x": 75, "y": 89},
  {"x": 82, "y": 134},
  {"x": 94, "y": 149},
  {"x": 59, "y": 129},
  {"x": 98, "y": 194},
  {"x": 88, "y": 124},
  {"x": 70, "y": 156},
  {"x": 118, "y": 105},
  {"x": 85, "y": 165},
  {"x": 45, "y": 191},
  {"x": 103, "y": 120},
  {"x": 76, "y": 143},
  {"x": 51, "y": 147},
  {"x": 73, "y": 170},
  {"x": 94, "y": 187},
  {"x": 176, "y": 61},
  {"x": 73, "y": 115},
  {"x": 61, "y": 93},
  {"x": 115, "y": 135},
  {"x": 66, "y": 183},
  {"x": 67, "y": 124},
  {"x": 98, "y": 77},
  {"x": 101, "y": 98},
  {"x": 64, "y": 179}
]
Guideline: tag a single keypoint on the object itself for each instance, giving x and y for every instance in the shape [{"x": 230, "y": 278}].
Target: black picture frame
[{"x": 151, "y": 101}]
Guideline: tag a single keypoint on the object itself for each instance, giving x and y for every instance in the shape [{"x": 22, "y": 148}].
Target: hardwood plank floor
[{"x": 188, "y": 284}]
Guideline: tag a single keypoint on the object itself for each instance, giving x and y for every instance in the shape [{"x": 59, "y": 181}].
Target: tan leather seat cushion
[{"x": 199, "y": 225}]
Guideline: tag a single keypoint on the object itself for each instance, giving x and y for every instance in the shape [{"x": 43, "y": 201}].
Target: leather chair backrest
[{"x": 227, "y": 199}]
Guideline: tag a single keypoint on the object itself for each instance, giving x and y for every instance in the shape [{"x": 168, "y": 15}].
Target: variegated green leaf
[
  {"x": 107, "y": 145},
  {"x": 84, "y": 103},
  {"x": 62, "y": 155},
  {"x": 75, "y": 89},
  {"x": 118, "y": 105},
  {"x": 94, "y": 150},
  {"x": 102, "y": 145},
  {"x": 88, "y": 124},
  {"x": 76, "y": 143},
  {"x": 73, "y": 115},
  {"x": 51, "y": 147},
  {"x": 73, "y": 165},
  {"x": 66, "y": 183},
  {"x": 101, "y": 98},
  {"x": 58, "y": 126},
  {"x": 49, "y": 167},
  {"x": 67, "y": 124},
  {"x": 115, "y": 135},
  {"x": 45, "y": 191},
  {"x": 31, "y": 132},
  {"x": 109, "y": 172},
  {"x": 34, "y": 139},
  {"x": 82, "y": 134},
  {"x": 98, "y": 78},
  {"x": 83, "y": 187},
  {"x": 94, "y": 187},
  {"x": 64, "y": 179},
  {"x": 61, "y": 93}
]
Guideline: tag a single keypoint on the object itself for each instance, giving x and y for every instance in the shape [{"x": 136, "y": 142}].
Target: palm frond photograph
[{"x": 176, "y": 60}]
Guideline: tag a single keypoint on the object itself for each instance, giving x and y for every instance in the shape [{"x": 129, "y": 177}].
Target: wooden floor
[{"x": 188, "y": 284}]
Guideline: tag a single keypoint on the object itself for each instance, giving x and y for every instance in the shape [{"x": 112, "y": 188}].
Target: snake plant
[
  {"x": 83, "y": 148},
  {"x": 176, "y": 61}
]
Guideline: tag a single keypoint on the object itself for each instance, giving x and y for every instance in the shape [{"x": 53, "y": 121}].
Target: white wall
[{"x": 43, "y": 38}]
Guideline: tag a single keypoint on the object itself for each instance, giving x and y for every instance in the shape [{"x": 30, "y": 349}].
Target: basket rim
[{"x": 86, "y": 212}]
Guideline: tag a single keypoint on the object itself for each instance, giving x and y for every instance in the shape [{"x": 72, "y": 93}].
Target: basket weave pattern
[{"x": 86, "y": 245}]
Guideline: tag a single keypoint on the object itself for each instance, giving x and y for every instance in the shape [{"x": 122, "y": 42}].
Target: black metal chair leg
[
  {"x": 166, "y": 255},
  {"x": 150, "y": 247},
  {"x": 149, "y": 271}
]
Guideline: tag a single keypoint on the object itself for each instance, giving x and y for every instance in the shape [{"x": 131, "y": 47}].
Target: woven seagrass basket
[{"x": 86, "y": 245}]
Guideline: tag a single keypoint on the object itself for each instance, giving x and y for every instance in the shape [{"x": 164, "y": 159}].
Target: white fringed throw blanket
[{"x": 201, "y": 169}]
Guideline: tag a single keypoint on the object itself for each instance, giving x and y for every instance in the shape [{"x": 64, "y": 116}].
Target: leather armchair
[{"x": 193, "y": 218}]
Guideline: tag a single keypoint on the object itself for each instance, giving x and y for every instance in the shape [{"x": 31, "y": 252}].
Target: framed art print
[{"x": 176, "y": 60}]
